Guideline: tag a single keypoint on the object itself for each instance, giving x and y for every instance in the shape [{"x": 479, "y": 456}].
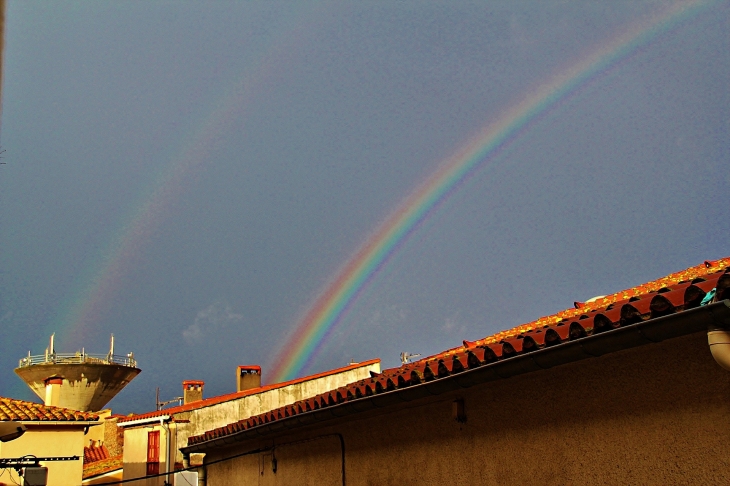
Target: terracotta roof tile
[
  {"x": 21, "y": 410},
  {"x": 95, "y": 453},
  {"x": 674, "y": 293},
  {"x": 103, "y": 466}
]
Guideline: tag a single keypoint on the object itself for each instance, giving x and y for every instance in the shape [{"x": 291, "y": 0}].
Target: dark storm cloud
[{"x": 360, "y": 102}]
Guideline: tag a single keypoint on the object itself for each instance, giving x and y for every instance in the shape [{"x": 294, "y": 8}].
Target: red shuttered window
[{"x": 153, "y": 452}]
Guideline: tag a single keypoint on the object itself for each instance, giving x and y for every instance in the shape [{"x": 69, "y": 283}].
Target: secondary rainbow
[
  {"x": 323, "y": 315},
  {"x": 99, "y": 283}
]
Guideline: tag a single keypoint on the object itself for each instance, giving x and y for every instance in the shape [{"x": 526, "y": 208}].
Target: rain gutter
[
  {"x": 147, "y": 420},
  {"x": 712, "y": 317}
]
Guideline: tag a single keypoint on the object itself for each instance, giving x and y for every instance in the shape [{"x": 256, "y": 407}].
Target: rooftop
[
  {"x": 102, "y": 466},
  {"x": 23, "y": 411},
  {"x": 207, "y": 402},
  {"x": 646, "y": 303},
  {"x": 95, "y": 453}
]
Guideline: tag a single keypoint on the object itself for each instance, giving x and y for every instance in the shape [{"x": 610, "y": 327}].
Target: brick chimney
[
  {"x": 248, "y": 377},
  {"x": 192, "y": 391}
]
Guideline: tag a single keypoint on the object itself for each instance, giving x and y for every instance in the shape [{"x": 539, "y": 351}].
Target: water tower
[{"x": 79, "y": 381}]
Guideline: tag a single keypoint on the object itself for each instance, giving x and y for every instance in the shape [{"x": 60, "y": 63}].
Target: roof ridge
[
  {"x": 635, "y": 308},
  {"x": 580, "y": 308},
  {"x": 206, "y": 402}
]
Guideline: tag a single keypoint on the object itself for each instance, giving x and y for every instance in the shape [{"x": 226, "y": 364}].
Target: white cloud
[
  {"x": 215, "y": 317},
  {"x": 453, "y": 325}
]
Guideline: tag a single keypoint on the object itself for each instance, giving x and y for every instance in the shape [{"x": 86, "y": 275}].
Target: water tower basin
[{"x": 79, "y": 381}]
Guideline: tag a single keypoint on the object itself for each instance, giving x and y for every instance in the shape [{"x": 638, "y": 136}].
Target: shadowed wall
[{"x": 656, "y": 414}]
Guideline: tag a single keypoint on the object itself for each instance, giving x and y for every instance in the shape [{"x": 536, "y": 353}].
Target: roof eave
[
  {"x": 147, "y": 420},
  {"x": 78, "y": 423},
  {"x": 710, "y": 317}
]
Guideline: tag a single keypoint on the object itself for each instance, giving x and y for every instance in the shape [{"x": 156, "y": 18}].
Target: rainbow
[
  {"x": 98, "y": 284},
  {"x": 317, "y": 323}
]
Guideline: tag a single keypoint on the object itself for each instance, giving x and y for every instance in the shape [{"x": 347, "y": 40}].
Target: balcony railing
[{"x": 78, "y": 358}]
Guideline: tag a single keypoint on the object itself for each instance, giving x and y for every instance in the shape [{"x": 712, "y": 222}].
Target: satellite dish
[{"x": 11, "y": 430}]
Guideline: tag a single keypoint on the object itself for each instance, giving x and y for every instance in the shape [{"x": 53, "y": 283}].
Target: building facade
[
  {"x": 622, "y": 390},
  {"x": 51, "y": 432},
  {"x": 152, "y": 440}
]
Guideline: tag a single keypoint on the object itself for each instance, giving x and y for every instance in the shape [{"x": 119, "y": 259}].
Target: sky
[{"x": 191, "y": 176}]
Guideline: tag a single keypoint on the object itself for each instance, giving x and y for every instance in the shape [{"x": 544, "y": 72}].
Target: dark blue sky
[{"x": 309, "y": 122}]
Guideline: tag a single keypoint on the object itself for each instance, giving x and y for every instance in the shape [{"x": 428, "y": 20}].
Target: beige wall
[
  {"x": 97, "y": 433},
  {"x": 221, "y": 414},
  {"x": 656, "y": 414},
  {"x": 49, "y": 441},
  {"x": 204, "y": 419},
  {"x": 135, "y": 453}
]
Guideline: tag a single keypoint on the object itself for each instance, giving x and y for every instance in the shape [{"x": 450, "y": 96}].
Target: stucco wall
[
  {"x": 656, "y": 414},
  {"x": 207, "y": 418},
  {"x": 48, "y": 441},
  {"x": 210, "y": 417},
  {"x": 135, "y": 453}
]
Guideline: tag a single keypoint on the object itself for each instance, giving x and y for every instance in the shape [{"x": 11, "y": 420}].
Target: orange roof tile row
[
  {"x": 675, "y": 293},
  {"x": 103, "y": 466},
  {"x": 21, "y": 410},
  {"x": 233, "y": 396},
  {"x": 616, "y": 299},
  {"x": 95, "y": 453}
]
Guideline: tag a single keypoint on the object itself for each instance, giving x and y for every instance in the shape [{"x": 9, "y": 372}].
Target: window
[{"x": 153, "y": 452}]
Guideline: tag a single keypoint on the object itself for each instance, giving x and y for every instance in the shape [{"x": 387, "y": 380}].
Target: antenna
[
  {"x": 160, "y": 404},
  {"x": 405, "y": 357}
]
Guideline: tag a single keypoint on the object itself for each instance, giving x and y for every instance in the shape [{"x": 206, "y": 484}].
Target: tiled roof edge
[
  {"x": 207, "y": 402},
  {"x": 715, "y": 315},
  {"x": 25, "y": 411},
  {"x": 675, "y": 294}
]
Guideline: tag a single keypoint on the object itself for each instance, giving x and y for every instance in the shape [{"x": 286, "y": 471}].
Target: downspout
[
  {"x": 201, "y": 474},
  {"x": 167, "y": 451},
  {"x": 718, "y": 336}
]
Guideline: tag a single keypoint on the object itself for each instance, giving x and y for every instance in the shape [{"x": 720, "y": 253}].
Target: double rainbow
[{"x": 313, "y": 329}]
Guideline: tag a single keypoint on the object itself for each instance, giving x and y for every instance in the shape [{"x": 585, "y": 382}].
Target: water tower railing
[{"x": 78, "y": 358}]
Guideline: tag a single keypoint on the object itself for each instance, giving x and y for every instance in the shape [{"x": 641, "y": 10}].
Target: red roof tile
[
  {"x": 206, "y": 402},
  {"x": 103, "y": 466},
  {"x": 674, "y": 293},
  {"x": 95, "y": 453},
  {"x": 21, "y": 410}
]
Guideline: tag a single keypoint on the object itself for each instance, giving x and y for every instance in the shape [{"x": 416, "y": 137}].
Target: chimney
[
  {"x": 192, "y": 391},
  {"x": 53, "y": 390},
  {"x": 248, "y": 377}
]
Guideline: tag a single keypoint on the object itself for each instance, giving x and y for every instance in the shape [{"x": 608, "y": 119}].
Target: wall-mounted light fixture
[{"x": 459, "y": 411}]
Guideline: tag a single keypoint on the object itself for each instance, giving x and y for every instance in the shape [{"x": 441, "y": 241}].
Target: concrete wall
[
  {"x": 49, "y": 441},
  {"x": 656, "y": 414},
  {"x": 84, "y": 387}
]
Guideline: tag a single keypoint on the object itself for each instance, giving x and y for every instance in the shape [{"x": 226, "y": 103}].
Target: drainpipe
[
  {"x": 201, "y": 474},
  {"x": 167, "y": 451},
  {"x": 719, "y": 342}
]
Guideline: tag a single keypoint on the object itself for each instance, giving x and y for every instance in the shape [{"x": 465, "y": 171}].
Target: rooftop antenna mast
[
  {"x": 111, "y": 347},
  {"x": 405, "y": 357},
  {"x": 160, "y": 404}
]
